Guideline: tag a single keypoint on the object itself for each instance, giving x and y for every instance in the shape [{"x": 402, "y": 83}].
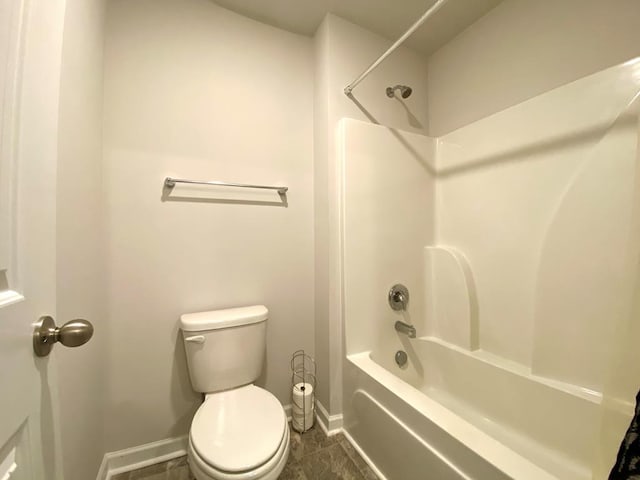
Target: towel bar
[{"x": 171, "y": 182}]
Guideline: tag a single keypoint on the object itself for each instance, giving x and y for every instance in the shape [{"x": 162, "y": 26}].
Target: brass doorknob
[{"x": 72, "y": 334}]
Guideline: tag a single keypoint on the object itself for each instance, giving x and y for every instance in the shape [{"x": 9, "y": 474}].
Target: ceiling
[{"x": 389, "y": 18}]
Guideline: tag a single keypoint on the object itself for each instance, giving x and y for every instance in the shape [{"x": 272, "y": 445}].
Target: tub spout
[{"x": 405, "y": 328}]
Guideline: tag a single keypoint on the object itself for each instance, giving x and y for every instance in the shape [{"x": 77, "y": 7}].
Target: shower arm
[{"x": 434, "y": 8}]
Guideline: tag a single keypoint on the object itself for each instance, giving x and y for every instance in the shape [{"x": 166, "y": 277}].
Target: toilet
[{"x": 240, "y": 431}]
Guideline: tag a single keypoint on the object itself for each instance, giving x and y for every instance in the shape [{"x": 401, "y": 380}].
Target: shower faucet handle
[{"x": 398, "y": 297}]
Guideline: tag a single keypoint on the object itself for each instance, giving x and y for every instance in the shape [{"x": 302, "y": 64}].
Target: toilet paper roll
[
  {"x": 302, "y": 423},
  {"x": 300, "y": 414},
  {"x": 303, "y": 420},
  {"x": 302, "y": 398},
  {"x": 303, "y": 388},
  {"x": 302, "y": 407},
  {"x": 302, "y": 427}
]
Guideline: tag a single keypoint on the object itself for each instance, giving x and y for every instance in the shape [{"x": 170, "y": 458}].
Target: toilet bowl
[
  {"x": 203, "y": 471},
  {"x": 240, "y": 432}
]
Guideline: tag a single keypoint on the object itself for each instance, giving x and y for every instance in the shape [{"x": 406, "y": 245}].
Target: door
[{"x": 30, "y": 52}]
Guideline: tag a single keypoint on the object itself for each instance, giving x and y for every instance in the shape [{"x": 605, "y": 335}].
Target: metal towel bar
[{"x": 171, "y": 182}]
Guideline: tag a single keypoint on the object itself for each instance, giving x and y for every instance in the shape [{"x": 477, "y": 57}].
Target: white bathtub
[{"x": 452, "y": 414}]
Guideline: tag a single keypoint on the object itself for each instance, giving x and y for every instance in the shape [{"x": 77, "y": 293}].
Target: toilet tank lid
[{"x": 230, "y": 317}]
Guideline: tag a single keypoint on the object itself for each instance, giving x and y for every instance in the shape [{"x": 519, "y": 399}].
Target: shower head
[{"x": 405, "y": 91}]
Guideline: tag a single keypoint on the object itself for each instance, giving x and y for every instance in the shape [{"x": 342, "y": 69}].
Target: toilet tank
[{"x": 225, "y": 348}]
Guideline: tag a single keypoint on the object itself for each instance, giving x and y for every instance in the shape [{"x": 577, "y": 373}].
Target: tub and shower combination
[{"x": 515, "y": 238}]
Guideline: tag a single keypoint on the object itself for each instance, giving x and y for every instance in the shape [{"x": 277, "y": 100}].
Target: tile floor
[{"x": 313, "y": 456}]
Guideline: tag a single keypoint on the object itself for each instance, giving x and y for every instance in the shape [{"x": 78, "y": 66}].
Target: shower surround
[{"x": 516, "y": 238}]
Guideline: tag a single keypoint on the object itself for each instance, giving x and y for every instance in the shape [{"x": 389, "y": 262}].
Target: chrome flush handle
[{"x": 195, "y": 339}]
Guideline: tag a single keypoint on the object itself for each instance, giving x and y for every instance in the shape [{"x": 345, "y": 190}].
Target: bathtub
[{"x": 452, "y": 414}]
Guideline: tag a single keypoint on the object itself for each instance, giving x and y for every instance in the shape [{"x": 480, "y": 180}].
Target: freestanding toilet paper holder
[{"x": 303, "y": 386}]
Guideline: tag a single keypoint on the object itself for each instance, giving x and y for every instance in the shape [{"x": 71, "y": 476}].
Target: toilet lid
[{"x": 238, "y": 430}]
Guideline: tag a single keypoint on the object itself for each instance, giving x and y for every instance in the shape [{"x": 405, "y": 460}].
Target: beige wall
[
  {"x": 343, "y": 51},
  {"x": 195, "y": 91},
  {"x": 80, "y": 252},
  {"x": 322, "y": 334},
  {"x": 523, "y": 48}
]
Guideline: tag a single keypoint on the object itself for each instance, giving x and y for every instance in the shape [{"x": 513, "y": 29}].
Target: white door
[{"x": 30, "y": 51}]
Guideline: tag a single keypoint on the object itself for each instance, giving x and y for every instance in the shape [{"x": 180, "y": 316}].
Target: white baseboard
[
  {"x": 330, "y": 424},
  {"x": 142, "y": 456}
]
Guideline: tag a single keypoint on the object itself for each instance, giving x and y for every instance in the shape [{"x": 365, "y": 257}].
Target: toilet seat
[
  {"x": 269, "y": 471},
  {"x": 239, "y": 433}
]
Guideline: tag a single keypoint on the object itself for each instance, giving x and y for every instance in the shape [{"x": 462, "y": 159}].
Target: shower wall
[
  {"x": 624, "y": 366},
  {"x": 539, "y": 199},
  {"x": 389, "y": 193},
  {"x": 530, "y": 222},
  {"x": 534, "y": 207},
  {"x": 516, "y": 186}
]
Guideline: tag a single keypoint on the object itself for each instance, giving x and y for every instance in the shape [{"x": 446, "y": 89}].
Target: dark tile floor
[{"x": 313, "y": 456}]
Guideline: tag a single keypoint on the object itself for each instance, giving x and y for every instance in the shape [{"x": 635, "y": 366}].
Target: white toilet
[{"x": 240, "y": 431}]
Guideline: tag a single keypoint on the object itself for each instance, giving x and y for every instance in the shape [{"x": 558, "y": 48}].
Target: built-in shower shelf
[{"x": 451, "y": 297}]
